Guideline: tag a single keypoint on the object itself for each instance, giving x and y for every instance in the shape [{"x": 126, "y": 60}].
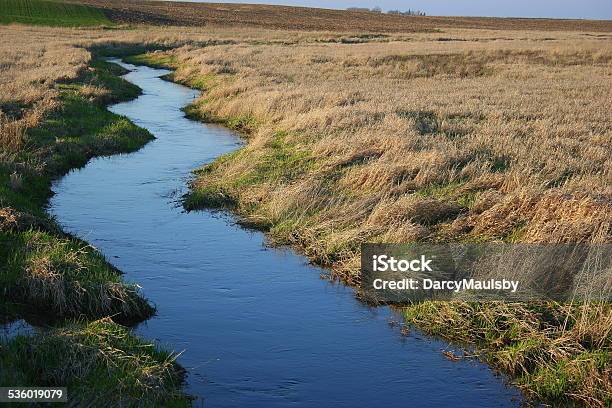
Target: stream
[{"x": 257, "y": 326}]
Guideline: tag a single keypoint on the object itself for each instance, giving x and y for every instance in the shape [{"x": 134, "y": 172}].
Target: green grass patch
[
  {"x": 202, "y": 82},
  {"x": 281, "y": 161},
  {"x": 50, "y": 13},
  {"x": 101, "y": 363},
  {"x": 439, "y": 190},
  {"x": 558, "y": 354},
  {"x": 246, "y": 124},
  {"x": 81, "y": 130},
  {"x": 153, "y": 59},
  {"x": 193, "y": 80},
  {"x": 517, "y": 233},
  {"x": 65, "y": 278},
  {"x": 448, "y": 192},
  {"x": 107, "y": 75}
]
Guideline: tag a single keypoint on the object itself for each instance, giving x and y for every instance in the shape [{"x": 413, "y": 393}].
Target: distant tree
[
  {"x": 408, "y": 12},
  {"x": 373, "y": 9}
]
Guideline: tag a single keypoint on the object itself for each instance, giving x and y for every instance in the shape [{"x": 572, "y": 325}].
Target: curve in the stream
[{"x": 258, "y": 327}]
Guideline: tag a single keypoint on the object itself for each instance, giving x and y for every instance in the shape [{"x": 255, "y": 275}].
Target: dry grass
[{"x": 435, "y": 141}]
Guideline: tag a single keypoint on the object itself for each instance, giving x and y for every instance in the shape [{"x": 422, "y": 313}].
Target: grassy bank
[
  {"x": 43, "y": 268},
  {"x": 50, "y": 13},
  {"x": 100, "y": 363},
  {"x": 557, "y": 354},
  {"x": 159, "y": 59},
  {"x": 60, "y": 279},
  {"x": 327, "y": 169}
]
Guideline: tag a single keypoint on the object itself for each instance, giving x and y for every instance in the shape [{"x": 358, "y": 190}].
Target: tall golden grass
[{"x": 504, "y": 138}]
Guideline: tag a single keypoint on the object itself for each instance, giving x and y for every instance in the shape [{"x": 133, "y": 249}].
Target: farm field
[
  {"x": 315, "y": 19},
  {"x": 402, "y": 129},
  {"x": 50, "y": 13}
]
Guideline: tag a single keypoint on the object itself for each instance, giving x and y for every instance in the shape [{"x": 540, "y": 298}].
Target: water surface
[{"x": 258, "y": 326}]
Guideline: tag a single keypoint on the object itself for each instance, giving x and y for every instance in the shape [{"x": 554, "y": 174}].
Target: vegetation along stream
[{"x": 257, "y": 326}]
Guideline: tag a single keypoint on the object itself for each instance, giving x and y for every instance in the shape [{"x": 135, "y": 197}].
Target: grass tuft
[{"x": 101, "y": 363}]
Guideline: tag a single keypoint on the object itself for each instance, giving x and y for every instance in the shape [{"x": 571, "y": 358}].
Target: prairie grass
[{"x": 410, "y": 140}]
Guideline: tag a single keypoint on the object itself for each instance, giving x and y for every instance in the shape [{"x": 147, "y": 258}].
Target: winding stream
[{"x": 258, "y": 326}]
